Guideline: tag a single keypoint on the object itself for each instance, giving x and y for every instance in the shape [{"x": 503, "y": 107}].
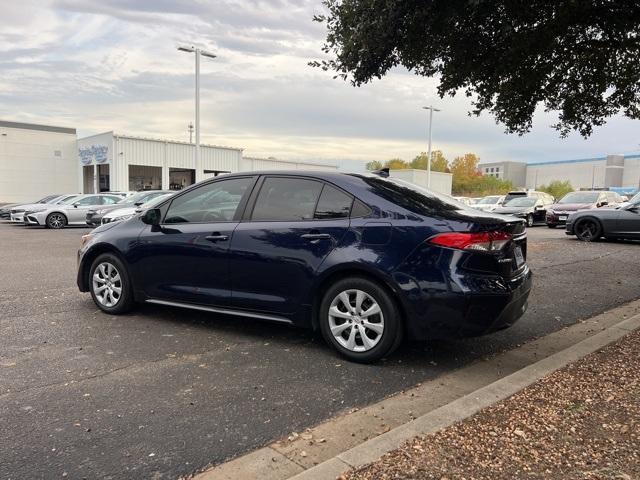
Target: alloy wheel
[
  {"x": 356, "y": 320},
  {"x": 587, "y": 230},
  {"x": 107, "y": 284},
  {"x": 529, "y": 220},
  {"x": 56, "y": 220}
]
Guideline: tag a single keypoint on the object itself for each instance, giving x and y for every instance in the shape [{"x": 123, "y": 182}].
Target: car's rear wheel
[
  {"x": 529, "y": 220},
  {"x": 110, "y": 285},
  {"x": 588, "y": 230},
  {"x": 56, "y": 220},
  {"x": 360, "y": 320}
]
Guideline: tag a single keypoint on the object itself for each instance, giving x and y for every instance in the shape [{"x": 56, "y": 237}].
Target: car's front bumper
[
  {"x": 93, "y": 219},
  {"x": 555, "y": 218},
  {"x": 17, "y": 217}
]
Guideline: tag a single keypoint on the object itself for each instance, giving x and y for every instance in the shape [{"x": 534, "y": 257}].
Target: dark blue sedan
[{"x": 364, "y": 259}]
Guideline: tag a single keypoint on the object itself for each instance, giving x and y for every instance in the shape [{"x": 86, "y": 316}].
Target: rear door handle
[
  {"x": 217, "y": 238},
  {"x": 316, "y": 236}
]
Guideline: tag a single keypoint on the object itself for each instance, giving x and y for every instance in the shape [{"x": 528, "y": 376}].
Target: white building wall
[
  {"x": 35, "y": 162},
  {"x": 440, "y": 182},
  {"x": 581, "y": 174},
  {"x": 631, "y": 175}
]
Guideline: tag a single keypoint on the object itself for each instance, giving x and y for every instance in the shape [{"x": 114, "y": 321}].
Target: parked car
[
  {"x": 532, "y": 209},
  {"x": 16, "y": 214},
  {"x": 611, "y": 223},
  {"x": 558, "y": 213},
  {"x": 74, "y": 213},
  {"x": 61, "y": 201},
  {"x": 95, "y": 215},
  {"x": 5, "y": 210},
  {"x": 362, "y": 258},
  {"x": 489, "y": 203},
  {"x": 465, "y": 200},
  {"x": 546, "y": 198},
  {"x": 125, "y": 213}
]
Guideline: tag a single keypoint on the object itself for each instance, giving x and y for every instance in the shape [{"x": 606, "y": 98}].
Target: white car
[
  {"x": 128, "y": 212},
  {"x": 489, "y": 203},
  {"x": 18, "y": 211},
  {"x": 73, "y": 213}
]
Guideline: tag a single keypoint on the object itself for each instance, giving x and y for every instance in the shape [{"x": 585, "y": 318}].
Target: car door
[
  {"x": 628, "y": 222},
  {"x": 291, "y": 225},
  {"x": 77, "y": 212},
  {"x": 185, "y": 258}
]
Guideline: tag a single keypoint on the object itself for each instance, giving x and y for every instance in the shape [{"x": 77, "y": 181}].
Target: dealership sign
[{"x": 94, "y": 153}]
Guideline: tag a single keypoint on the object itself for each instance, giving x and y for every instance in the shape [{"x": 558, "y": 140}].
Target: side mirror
[
  {"x": 137, "y": 204},
  {"x": 603, "y": 203},
  {"x": 152, "y": 217},
  {"x": 75, "y": 205}
]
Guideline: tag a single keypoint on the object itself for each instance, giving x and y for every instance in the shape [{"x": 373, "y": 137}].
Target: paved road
[{"x": 163, "y": 392}]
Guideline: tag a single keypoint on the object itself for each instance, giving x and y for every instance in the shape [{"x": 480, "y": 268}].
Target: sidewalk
[{"x": 581, "y": 422}]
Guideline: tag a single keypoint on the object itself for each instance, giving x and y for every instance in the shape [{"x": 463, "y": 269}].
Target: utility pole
[
  {"x": 198, "y": 52},
  {"x": 431, "y": 110}
]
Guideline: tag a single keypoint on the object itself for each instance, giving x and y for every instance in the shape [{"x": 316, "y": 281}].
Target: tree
[
  {"x": 438, "y": 162},
  {"x": 557, "y": 188},
  {"x": 579, "y": 58},
  {"x": 396, "y": 163},
  {"x": 374, "y": 165},
  {"x": 481, "y": 185},
  {"x": 465, "y": 166}
]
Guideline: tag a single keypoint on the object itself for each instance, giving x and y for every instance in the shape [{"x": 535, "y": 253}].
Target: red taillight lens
[{"x": 483, "y": 241}]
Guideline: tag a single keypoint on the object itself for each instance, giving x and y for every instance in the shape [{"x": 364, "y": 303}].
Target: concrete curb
[
  {"x": 466, "y": 406},
  {"x": 363, "y": 435}
]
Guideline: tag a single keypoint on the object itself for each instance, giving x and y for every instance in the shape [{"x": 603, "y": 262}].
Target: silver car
[{"x": 74, "y": 213}]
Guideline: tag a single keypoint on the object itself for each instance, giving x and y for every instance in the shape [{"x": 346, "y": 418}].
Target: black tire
[
  {"x": 125, "y": 301},
  {"x": 56, "y": 220},
  {"x": 391, "y": 336},
  {"x": 529, "y": 220},
  {"x": 588, "y": 230}
]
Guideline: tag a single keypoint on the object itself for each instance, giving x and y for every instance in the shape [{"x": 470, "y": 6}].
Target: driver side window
[{"x": 214, "y": 202}]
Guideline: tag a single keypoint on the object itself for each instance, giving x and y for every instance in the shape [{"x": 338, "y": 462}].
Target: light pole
[
  {"x": 431, "y": 110},
  {"x": 190, "y": 128},
  {"x": 198, "y": 52}
]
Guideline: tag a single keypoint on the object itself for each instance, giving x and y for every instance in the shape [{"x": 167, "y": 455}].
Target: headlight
[
  {"x": 102, "y": 212},
  {"x": 85, "y": 239}
]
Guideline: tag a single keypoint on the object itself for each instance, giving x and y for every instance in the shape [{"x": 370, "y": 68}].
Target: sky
[{"x": 102, "y": 65}]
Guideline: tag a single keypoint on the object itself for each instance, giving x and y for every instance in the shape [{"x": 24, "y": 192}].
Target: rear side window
[
  {"x": 333, "y": 203},
  {"x": 287, "y": 199}
]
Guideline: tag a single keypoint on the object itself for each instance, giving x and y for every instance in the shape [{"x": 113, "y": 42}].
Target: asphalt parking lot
[{"x": 164, "y": 392}]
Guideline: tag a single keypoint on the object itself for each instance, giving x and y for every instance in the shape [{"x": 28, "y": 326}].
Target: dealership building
[
  {"x": 39, "y": 160},
  {"x": 615, "y": 172}
]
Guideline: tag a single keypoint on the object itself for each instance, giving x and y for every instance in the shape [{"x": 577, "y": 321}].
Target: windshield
[
  {"x": 157, "y": 200},
  {"x": 580, "y": 197},
  {"x": 488, "y": 200},
  {"x": 64, "y": 199},
  {"x": 521, "y": 202}
]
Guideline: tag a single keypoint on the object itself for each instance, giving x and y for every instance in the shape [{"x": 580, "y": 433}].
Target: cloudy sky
[{"x": 101, "y": 65}]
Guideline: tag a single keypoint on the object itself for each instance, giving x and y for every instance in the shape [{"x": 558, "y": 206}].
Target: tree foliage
[
  {"x": 396, "y": 164},
  {"x": 438, "y": 162},
  {"x": 480, "y": 185},
  {"x": 576, "y": 57},
  {"x": 557, "y": 188},
  {"x": 374, "y": 165}
]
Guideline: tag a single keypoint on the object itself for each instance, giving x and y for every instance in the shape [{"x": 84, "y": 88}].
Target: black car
[
  {"x": 611, "y": 223},
  {"x": 364, "y": 259},
  {"x": 532, "y": 209},
  {"x": 94, "y": 215}
]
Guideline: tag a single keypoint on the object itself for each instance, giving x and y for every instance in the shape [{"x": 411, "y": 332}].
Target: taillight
[{"x": 482, "y": 241}]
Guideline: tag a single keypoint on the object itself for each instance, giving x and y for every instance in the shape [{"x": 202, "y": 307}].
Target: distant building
[
  {"x": 36, "y": 160},
  {"x": 612, "y": 171}
]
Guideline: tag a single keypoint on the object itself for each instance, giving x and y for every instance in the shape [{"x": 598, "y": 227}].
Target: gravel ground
[{"x": 581, "y": 422}]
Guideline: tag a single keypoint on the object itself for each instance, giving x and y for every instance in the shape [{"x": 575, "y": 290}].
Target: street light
[
  {"x": 198, "y": 52},
  {"x": 431, "y": 110}
]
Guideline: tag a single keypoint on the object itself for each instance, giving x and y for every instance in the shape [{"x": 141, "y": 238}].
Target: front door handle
[
  {"x": 316, "y": 236},
  {"x": 216, "y": 237}
]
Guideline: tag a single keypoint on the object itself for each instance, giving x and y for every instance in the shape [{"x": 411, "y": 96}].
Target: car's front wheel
[
  {"x": 360, "y": 320},
  {"x": 110, "y": 285},
  {"x": 588, "y": 230},
  {"x": 529, "y": 220},
  {"x": 56, "y": 220}
]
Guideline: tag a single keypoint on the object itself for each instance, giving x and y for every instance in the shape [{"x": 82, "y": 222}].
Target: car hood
[
  {"x": 569, "y": 207},
  {"x": 509, "y": 210},
  {"x": 27, "y": 206},
  {"x": 121, "y": 211}
]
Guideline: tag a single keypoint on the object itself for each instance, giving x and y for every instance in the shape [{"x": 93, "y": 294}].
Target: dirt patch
[{"x": 582, "y": 422}]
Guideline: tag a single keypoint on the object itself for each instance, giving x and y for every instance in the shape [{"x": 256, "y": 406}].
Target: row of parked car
[{"x": 59, "y": 211}]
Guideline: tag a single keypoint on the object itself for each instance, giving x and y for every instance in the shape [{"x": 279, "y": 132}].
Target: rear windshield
[
  {"x": 412, "y": 197},
  {"x": 521, "y": 202},
  {"x": 488, "y": 200},
  {"x": 580, "y": 197}
]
